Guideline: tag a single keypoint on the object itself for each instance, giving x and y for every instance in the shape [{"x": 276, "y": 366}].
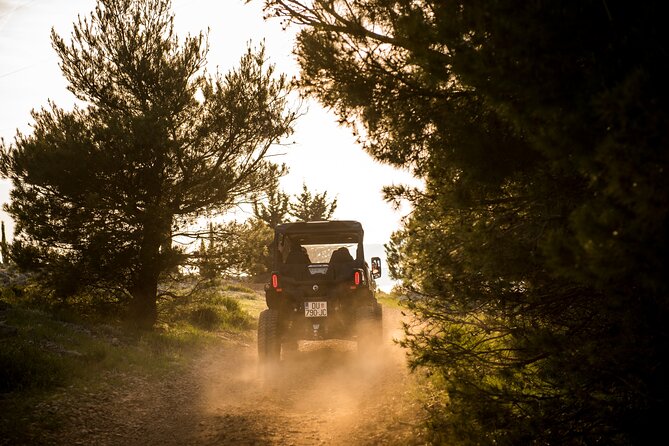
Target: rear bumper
[{"x": 339, "y": 323}]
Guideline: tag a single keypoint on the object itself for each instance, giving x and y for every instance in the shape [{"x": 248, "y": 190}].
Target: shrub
[
  {"x": 238, "y": 288},
  {"x": 25, "y": 366},
  {"x": 206, "y": 316},
  {"x": 220, "y": 313}
]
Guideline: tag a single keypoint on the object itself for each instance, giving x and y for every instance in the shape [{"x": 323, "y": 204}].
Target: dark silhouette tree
[
  {"x": 269, "y": 211},
  {"x": 312, "y": 207},
  {"x": 535, "y": 255},
  {"x": 234, "y": 250},
  {"x": 4, "y": 248},
  {"x": 274, "y": 209},
  {"x": 206, "y": 263},
  {"x": 158, "y": 142},
  {"x": 277, "y": 207}
]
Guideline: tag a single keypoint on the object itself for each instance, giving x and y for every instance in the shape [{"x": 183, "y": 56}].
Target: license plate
[{"x": 315, "y": 309}]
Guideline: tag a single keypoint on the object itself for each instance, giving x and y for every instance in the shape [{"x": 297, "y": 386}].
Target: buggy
[{"x": 320, "y": 287}]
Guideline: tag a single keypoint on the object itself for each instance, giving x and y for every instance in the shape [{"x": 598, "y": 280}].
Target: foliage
[
  {"x": 224, "y": 313},
  {"x": 4, "y": 247},
  {"x": 48, "y": 354},
  {"x": 45, "y": 351},
  {"x": 101, "y": 191},
  {"x": 51, "y": 347},
  {"x": 308, "y": 207},
  {"x": 23, "y": 366},
  {"x": 214, "y": 309},
  {"x": 390, "y": 300},
  {"x": 234, "y": 250},
  {"x": 303, "y": 207},
  {"x": 275, "y": 209},
  {"x": 206, "y": 264},
  {"x": 535, "y": 253},
  {"x": 269, "y": 211},
  {"x": 238, "y": 288}
]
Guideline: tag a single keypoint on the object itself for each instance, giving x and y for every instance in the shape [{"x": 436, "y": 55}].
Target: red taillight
[
  {"x": 357, "y": 278},
  {"x": 275, "y": 281}
]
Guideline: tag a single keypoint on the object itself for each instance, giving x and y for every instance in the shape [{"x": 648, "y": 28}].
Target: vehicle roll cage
[{"x": 318, "y": 232}]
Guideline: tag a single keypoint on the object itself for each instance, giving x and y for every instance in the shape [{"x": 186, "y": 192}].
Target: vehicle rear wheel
[
  {"x": 369, "y": 327},
  {"x": 269, "y": 344}
]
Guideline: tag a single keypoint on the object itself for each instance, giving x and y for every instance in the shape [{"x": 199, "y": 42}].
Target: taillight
[
  {"x": 357, "y": 277},
  {"x": 275, "y": 282}
]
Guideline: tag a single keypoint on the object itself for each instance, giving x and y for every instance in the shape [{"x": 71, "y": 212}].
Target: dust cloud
[{"x": 326, "y": 393}]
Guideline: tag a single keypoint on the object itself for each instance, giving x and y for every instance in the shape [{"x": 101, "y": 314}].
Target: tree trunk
[
  {"x": 144, "y": 288},
  {"x": 143, "y": 309}
]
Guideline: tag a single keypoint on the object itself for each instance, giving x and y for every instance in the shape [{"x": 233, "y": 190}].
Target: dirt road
[{"x": 326, "y": 394}]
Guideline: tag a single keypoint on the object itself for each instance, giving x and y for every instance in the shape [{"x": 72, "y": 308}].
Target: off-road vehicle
[{"x": 320, "y": 288}]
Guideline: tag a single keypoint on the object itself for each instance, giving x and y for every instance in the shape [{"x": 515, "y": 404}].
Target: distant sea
[{"x": 385, "y": 283}]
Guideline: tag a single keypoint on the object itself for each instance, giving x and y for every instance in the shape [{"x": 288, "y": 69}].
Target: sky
[{"x": 320, "y": 153}]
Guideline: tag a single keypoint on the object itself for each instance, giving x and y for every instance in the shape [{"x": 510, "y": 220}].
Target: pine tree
[
  {"x": 234, "y": 250},
  {"x": 535, "y": 254},
  {"x": 100, "y": 190},
  {"x": 275, "y": 209},
  {"x": 308, "y": 207}
]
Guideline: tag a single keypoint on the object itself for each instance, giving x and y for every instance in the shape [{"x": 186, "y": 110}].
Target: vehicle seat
[
  {"x": 341, "y": 264},
  {"x": 340, "y": 255},
  {"x": 298, "y": 255},
  {"x": 296, "y": 264}
]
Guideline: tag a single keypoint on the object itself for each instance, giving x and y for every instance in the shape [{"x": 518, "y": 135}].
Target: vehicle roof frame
[{"x": 320, "y": 232}]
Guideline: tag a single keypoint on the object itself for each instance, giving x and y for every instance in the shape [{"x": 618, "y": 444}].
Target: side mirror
[{"x": 376, "y": 267}]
